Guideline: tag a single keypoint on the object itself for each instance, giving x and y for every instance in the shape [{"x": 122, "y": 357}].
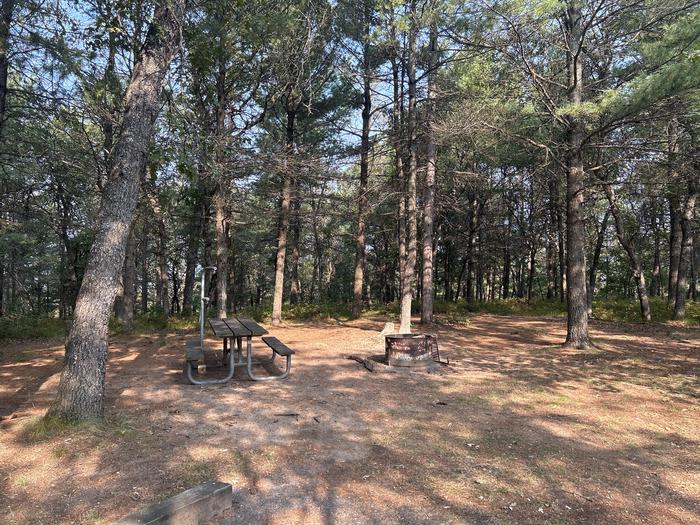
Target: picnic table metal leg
[
  {"x": 225, "y": 352},
  {"x": 228, "y": 377},
  {"x": 241, "y": 362},
  {"x": 252, "y": 375}
]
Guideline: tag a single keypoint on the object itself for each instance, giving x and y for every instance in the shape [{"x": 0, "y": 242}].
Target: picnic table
[{"x": 233, "y": 330}]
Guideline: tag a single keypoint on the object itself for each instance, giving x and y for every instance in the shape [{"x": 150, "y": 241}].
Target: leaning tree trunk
[
  {"x": 81, "y": 388},
  {"x": 411, "y": 218},
  {"x": 429, "y": 193},
  {"x": 577, "y": 300},
  {"x": 635, "y": 261}
]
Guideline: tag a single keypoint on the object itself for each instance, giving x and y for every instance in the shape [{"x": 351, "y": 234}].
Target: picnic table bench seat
[
  {"x": 278, "y": 346},
  {"x": 193, "y": 352}
]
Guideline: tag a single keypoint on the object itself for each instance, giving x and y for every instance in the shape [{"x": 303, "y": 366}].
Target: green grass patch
[
  {"x": 628, "y": 310},
  {"x": 106, "y": 430},
  {"x": 618, "y": 310},
  {"x": 545, "y": 308},
  {"x": 22, "y": 328},
  {"x": 300, "y": 312}
]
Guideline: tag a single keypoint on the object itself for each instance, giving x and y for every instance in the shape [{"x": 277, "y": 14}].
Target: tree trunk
[
  {"x": 531, "y": 267},
  {"x": 283, "y": 230},
  {"x": 191, "y": 259},
  {"x": 220, "y": 192},
  {"x": 295, "y": 256},
  {"x": 221, "y": 219},
  {"x": 561, "y": 252},
  {"x": 175, "y": 278},
  {"x": 2, "y": 286},
  {"x": 505, "y": 279},
  {"x": 358, "y": 282},
  {"x": 397, "y": 125},
  {"x": 676, "y": 237},
  {"x": 126, "y": 315},
  {"x": 428, "y": 290},
  {"x": 411, "y": 218},
  {"x": 163, "y": 280},
  {"x": 552, "y": 230},
  {"x": 162, "y": 302},
  {"x": 674, "y": 247},
  {"x": 6, "y": 12},
  {"x": 696, "y": 268},
  {"x": 635, "y": 261},
  {"x": 577, "y": 301},
  {"x": 592, "y": 273},
  {"x": 655, "y": 288},
  {"x": 688, "y": 214},
  {"x": 81, "y": 388}
]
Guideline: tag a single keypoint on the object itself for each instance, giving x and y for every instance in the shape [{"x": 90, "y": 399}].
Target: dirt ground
[{"x": 516, "y": 430}]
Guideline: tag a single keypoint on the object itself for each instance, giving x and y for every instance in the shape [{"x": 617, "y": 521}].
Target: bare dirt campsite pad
[{"x": 516, "y": 431}]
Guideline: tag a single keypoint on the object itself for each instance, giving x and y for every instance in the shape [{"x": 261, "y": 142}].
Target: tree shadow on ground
[{"x": 522, "y": 434}]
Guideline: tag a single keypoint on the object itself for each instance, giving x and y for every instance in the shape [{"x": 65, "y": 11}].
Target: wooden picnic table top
[{"x": 236, "y": 327}]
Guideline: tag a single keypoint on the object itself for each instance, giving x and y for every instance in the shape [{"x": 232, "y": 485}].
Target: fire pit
[
  {"x": 404, "y": 352},
  {"x": 412, "y": 350}
]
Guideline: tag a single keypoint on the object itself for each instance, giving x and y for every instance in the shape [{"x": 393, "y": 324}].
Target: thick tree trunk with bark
[
  {"x": 283, "y": 231},
  {"x": 411, "y": 217},
  {"x": 397, "y": 139},
  {"x": 428, "y": 290},
  {"x": 81, "y": 388},
  {"x": 577, "y": 301},
  {"x": 358, "y": 281},
  {"x": 635, "y": 261}
]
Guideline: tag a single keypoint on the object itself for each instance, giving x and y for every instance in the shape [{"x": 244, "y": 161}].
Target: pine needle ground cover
[{"x": 516, "y": 430}]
